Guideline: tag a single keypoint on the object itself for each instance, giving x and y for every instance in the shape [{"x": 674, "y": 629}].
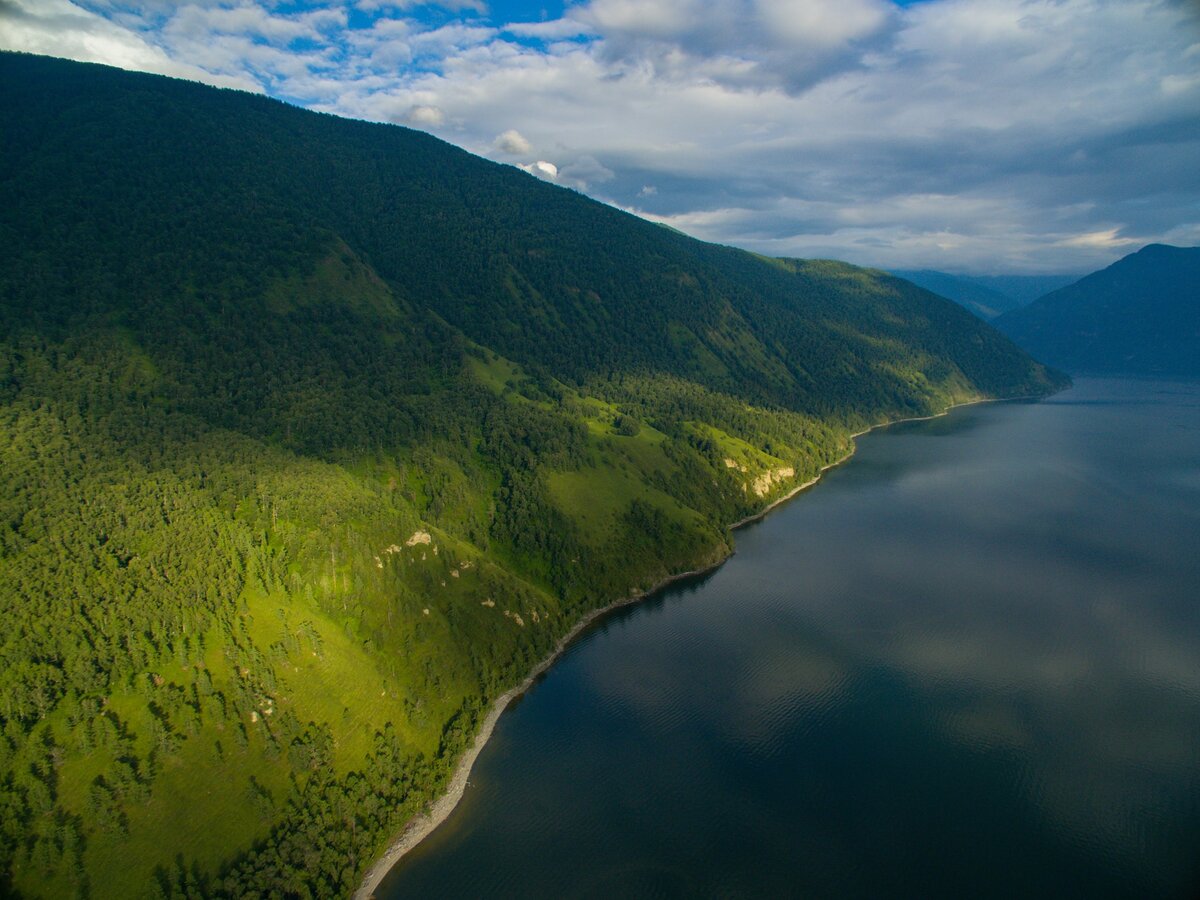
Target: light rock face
[
  {"x": 419, "y": 537},
  {"x": 763, "y": 483}
]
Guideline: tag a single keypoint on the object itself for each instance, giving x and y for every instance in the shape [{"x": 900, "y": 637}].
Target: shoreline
[
  {"x": 421, "y": 826},
  {"x": 850, "y": 453}
]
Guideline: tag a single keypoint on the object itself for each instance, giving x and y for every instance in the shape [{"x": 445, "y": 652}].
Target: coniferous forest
[{"x": 316, "y": 435}]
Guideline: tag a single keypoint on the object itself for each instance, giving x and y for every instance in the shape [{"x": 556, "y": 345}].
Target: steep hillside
[
  {"x": 1141, "y": 315},
  {"x": 201, "y": 189},
  {"x": 316, "y": 434}
]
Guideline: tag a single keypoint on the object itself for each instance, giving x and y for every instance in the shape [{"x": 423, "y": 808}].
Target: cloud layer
[{"x": 966, "y": 135}]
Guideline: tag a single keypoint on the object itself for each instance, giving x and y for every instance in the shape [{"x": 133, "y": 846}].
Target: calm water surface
[{"x": 966, "y": 665}]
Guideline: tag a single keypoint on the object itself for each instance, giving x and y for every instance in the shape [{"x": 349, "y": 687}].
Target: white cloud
[
  {"x": 554, "y": 29},
  {"x": 425, "y": 115},
  {"x": 739, "y": 43},
  {"x": 369, "y": 6},
  {"x": 61, "y": 28},
  {"x": 512, "y": 142},
  {"x": 822, "y": 23},
  {"x": 644, "y": 18},
  {"x": 451, "y": 39},
  {"x": 542, "y": 169},
  {"x": 247, "y": 19},
  {"x": 1107, "y": 239}
]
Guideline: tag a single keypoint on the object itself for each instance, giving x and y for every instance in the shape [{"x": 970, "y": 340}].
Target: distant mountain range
[
  {"x": 988, "y": 296},
  {"x": 1141, "y": 315}
]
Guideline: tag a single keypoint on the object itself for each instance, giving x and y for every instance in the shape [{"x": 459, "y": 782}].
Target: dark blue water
[{"x": 967, "y": 664}]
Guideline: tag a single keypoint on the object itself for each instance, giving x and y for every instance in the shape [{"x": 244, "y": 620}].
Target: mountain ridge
[{"x": 1140, "y": 315}]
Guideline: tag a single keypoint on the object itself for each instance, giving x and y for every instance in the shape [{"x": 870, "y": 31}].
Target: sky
[{"x": 971, "y": 136}]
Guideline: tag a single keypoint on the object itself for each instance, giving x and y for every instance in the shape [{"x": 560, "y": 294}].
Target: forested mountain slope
[
  {"x": 1141, "y": 316},
  {"x": 316, "y": 434}
]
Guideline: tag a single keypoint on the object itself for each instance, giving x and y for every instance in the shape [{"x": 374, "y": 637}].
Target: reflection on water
[{"x": 968, "y": 664}]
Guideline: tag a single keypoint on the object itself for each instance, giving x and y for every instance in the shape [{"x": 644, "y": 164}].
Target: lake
[{"x": 966, "y": 664}]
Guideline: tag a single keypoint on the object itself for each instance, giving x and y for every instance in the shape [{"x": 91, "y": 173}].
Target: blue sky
[{"x": 986, "y": 136}]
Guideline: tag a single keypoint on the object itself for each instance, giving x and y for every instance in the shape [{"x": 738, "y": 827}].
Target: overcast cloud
[{"x": 965, "y": 135}]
